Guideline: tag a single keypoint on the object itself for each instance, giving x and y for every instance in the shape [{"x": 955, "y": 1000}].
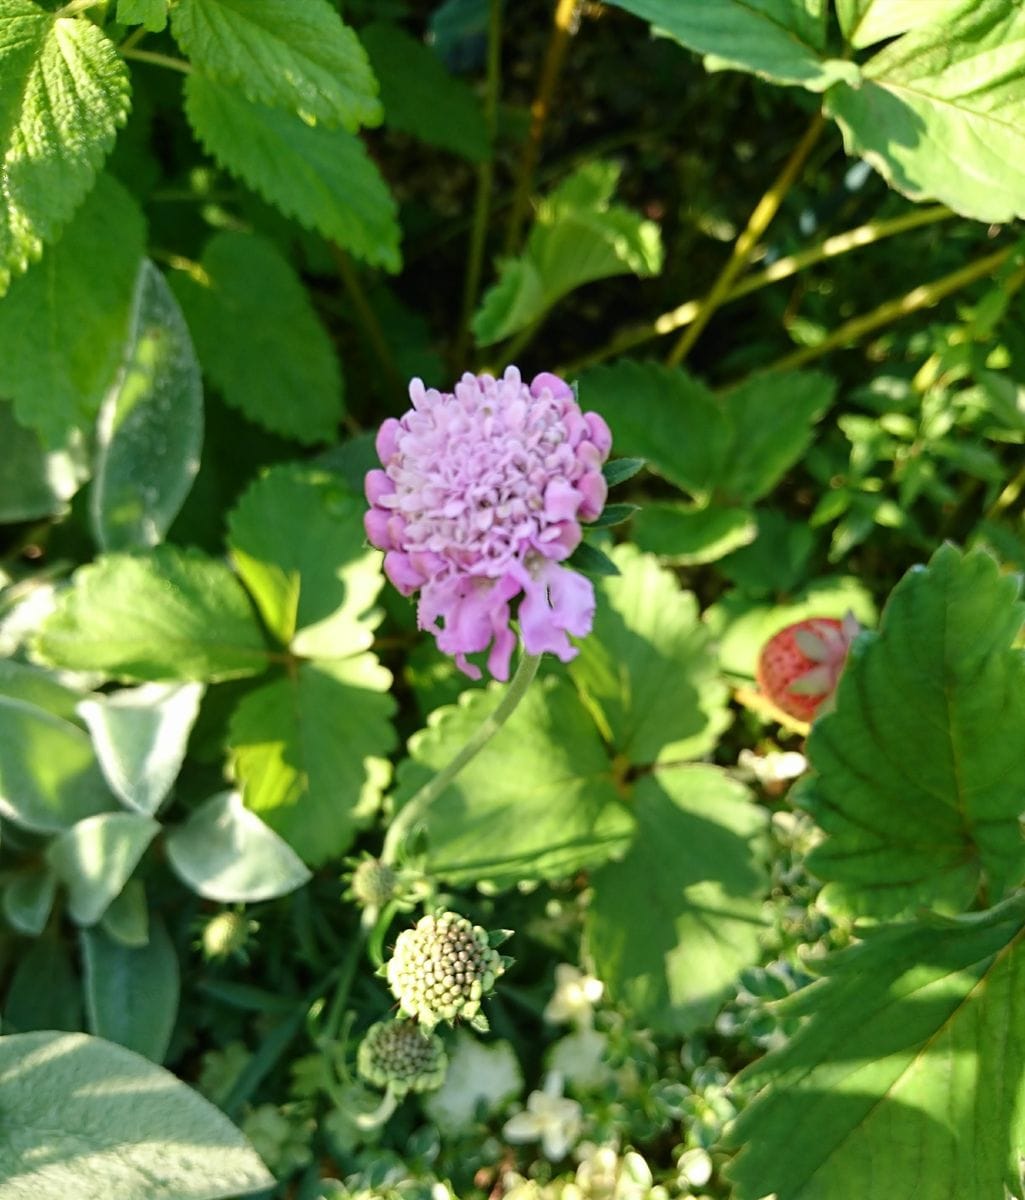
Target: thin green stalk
[
  {"x": 485, "y": 185},
  {"x": 75, "y": 7},
  {"x": 415, "y": 808},
  {"x": 563, "y": 27},
  {"x": 744, "y": 247},
  {"x": 924, "y": 296},
  {"x": 367, "y": 318},
  {"x": 158, "y": 60},
  {"x": 784, "y": 268}
]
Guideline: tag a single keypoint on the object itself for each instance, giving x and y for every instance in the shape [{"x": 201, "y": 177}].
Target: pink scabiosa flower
[{"x": 481, "y": 498}]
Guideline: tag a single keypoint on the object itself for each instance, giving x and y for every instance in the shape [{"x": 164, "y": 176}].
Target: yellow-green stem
[
  {"x": 744, "y": 246},
  {"x": 158, "y": 60},
  {"x": 563, "y": 27}
]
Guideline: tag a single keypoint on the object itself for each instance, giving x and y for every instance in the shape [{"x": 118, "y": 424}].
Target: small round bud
[
  {"x": 398, "y": 1055},
  {"x": 373, "y": 883},
  {"x": 225, "y": 934},
  {"x": 442, "y": 968}
]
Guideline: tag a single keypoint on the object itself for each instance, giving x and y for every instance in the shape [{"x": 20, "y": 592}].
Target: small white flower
[
  {"x": 580, "y": 1058},
  {"x": 476, "y": 1073},
  {"x": 549, "y": 1118},
  {"x": 574, "y": 997},
  {"x": 778, "y": 766}
]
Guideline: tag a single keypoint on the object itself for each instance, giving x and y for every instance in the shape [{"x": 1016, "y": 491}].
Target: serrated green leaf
[
  {"x": 908, "y": 1071},
  {"x": 63, "y": 93},
  {"x": 538, "y": 802},
  {"x": 323, "y": 177},
  {"x": 225, "y": 852},
  {"x": 578, "y": 236},
  {"x": 140, "y": 736},
  {"x": 918, "y": 783},
  {"x": 28, "y": 901},
  {"x": 693, "y": 871},
  {"x": 247, "y": 295},
  {"x": 779, "y": 40},
  {"x": 297, "y": 539},
  {"x": 647, "y": 671},
  {"x": 95, "y": 858},
  {"x": 131, "y": 993},
  {"x": 308, "y": 751},
  {"x": 36, "y": 482},
  {"x": 298, "y": 57},
  {"x": 685, "y": 534},
  {"x": 865, "y": 22},
  {"x": 941, "y": 112},
  {"x": 150, "y": 428},
  {"x": 151, "y": 14},
  {"x": 62, "y": 326},
  {"x": 171, "y": 614},
  {"x": 112, "y": 1124},
  {"x": 49, "y": 778},
  {"x": 420, "y": 97}
]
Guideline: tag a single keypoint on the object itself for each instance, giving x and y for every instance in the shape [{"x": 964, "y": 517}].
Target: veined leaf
[
  {"x": 152, "y": 14},
  {"x": 780, "y": 40},
  {"x": 308, "y": 751},
  {"x": 941, "y": 112},
  {"x": 865, "y": 22},
  {"x": 296, "y": 56},
  {"x": 112, "y": 1124},
  {"x": 323, "y": 177},
  {"x": 918, "y": 781},
  {"x": 249, "y": 295},
  {"x": 685, "y": 534},
  {"x": 63, "y": 326},
  {"x": 63, "y": 93},
  {"x": 578, "y": 236},
  {"x": 647, "y": 672},
  {"x": 169, "y": 615},
  {"x": 909, "y": 1073}
]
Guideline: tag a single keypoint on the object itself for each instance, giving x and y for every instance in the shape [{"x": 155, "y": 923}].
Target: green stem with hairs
[{"x": 415, "y": 808}]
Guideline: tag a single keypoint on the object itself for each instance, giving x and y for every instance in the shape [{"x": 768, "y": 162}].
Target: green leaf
[
  {"x": 308, "y": 751},
  {"x": 538, "y": 802},
  {"x": 918, "y": 781},
  {"x": 225, "y": 852},
  {"x": 131, "y": 993},
  {"x": 63, "y": 93},
  {"x": 150, "y": 429},
  {"x": 152, "y": 14},
  {"x": 140, "y": 736},
  {"x": 591, "y": 561},
  {"x": 96, "y": 857},
  {"x": 35, "y": 482},
  {"x": 907, "y": 1075},
  {"x": 777, "y": 558},
  {"x": 62, "y": 327},
  {"x": 619, "y": 470},
  {"x": 323, "y": 177},
  {"x": 298, "y": 57},
  {"x": 44, "y": 993},
  {"x": 49, "y": 778},
  {"x": 941, "y": 112},
  {"x": 247, "y": 294},
  {"x": 172, "y": 614},
  {"x": 297, "y": 539},
  {"x": 127, "y": 917},
  {"x": 92, "y": 1120},
  {"x": 865, "y": 22},
  {"x": 28, "y": 901},
  {"x": 685, "y": 534},
  {"x": 33, "y": 685},
  {"x": 420, "y": 97},
  {"x": 693, "y": 872},
  {"x": 647, "y": 671},
  {"x": 665, "y": 417},
  {"x": 742, "y": 623},
  {"x": 578, "y": 236},
  {"x": 779, "y": 40}
]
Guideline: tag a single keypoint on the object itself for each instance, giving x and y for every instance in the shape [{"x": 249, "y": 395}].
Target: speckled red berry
[{"x": 799, "y": 667}]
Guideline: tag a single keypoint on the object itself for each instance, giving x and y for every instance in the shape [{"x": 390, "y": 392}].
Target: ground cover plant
[{"x": 511, "y": 674}]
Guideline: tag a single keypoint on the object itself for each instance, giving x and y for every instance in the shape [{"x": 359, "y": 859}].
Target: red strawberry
[{"x": 799, "y": 667}]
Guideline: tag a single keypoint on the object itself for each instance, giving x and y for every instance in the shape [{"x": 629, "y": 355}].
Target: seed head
[
  {"x": 372, "y": 883},
  {"x": 400, "y": 1056},
  {"x": 441, "y": 970}
]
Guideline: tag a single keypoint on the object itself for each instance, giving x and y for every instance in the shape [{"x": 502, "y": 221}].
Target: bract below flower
[{"x": 481, "y": 496}]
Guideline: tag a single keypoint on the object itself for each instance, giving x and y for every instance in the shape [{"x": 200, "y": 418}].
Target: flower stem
[
  {"x": 485, "y": 184},
  {"x": 924, "y": 296},
  {"x": 158, "y": 60},
  {"x": 367, "y": 318},
  {"x": 563, "y": 27},
  {"x": 783, "y": 268},
  {"x": 744, "y": 246},
  {"x": 415, "y": 808}
]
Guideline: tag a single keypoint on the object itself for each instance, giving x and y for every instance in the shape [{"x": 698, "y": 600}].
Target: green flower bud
[
  {"x": 373, "y": 883},
  {"x": 225, "y": 934},
  {"x": 398, "y": 1055},
  {"x": 441, "y": 970}
]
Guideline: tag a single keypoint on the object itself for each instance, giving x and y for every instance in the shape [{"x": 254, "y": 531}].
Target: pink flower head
[{"x": 481, "y": 497}]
